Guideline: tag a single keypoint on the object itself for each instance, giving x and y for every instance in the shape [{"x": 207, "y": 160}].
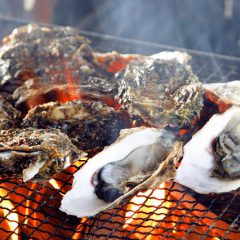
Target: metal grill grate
[{"x": 31, "y": 211}]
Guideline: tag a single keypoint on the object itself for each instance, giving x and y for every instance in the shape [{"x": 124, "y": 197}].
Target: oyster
[
  {"x": 139, "y": 159},
  {"x": 32, "y": 50},
  {"x": 39, "y": 63},
  {"x": 9, "y": 116},
  {"x": 89, "y": 125},
  {"x": 211, "y": 161},
  {"x": 161, "y": 89},
  {"x": 228, "y": 92},
  {"x": 36, "y": 154}
]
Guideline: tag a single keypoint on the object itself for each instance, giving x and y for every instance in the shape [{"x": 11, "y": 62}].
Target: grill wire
[
  {"x": 31, "y": 210},
  {"x": 44, "y": 199}
]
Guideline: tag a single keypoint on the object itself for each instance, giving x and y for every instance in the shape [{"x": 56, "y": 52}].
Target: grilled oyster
[
  {"x": 161, "y": 90},
  {"x": 139, "y": 159},
  {"x": 9, "y": 116},
  {"x": 89, "y": 125},
  {"x": 51, "y": 61},
  {"x": 36, "y": 154},
  {"x": 228, "y": 92},
  {"x": 211, "y": 161}
]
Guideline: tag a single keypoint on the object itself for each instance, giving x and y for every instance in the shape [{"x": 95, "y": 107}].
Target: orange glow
[
  {"x": 114, "y": 62},
  {"x": 170, "y": 212},
  {"x": 222, "y": 105}
]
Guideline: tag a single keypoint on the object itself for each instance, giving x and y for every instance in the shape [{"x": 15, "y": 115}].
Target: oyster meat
[
  {"x": 46, "y": 62},
  {"x": 161, "y": 89},
  {"x": 211, "y": 161},
  {"x": 89, "y": 125},
  {"x": 141, "y": 158},
  {"x": 9, "y": 116},
  {"x": 36, "y": 154}
]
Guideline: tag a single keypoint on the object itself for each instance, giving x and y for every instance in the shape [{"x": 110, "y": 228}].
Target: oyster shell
[
  {"x": 161, "y": 90},
  {"x": 211, "y": 161},
  {"x": 228, "y": 92},
  {"x": 139, "y": 159},
  {"x": 39, "y": 64},
  {"x": 9, "y": 116},
  {"x": 27, "y": 46},
  {"x": 89, "y": 125},
  {"x": 36, "y": 154}
]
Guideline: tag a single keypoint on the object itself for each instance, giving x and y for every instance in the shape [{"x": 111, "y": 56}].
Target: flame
[
  {"x": 9, "y": 218},
  {"x": 172, "y": 213}
]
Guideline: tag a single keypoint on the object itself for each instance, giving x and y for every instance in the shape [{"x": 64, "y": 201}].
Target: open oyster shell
[
  {"x": 211, "y": 161},
  {"x": 162, "y": 89},
  {"x": 36, "y": 154},
  {"x": 146, "y": 169}
]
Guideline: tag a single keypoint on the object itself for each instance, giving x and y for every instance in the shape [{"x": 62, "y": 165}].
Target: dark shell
[
  {"x": 9, "y": 116},
  {"x": 43, "y": 63},
  {"x": 89, "y": 125},
  {"x": 160, "y": 91},
  {"x": 23, "y": 148}
]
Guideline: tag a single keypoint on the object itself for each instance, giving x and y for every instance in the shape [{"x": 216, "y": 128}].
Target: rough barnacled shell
[
  {"x": 211, "y": 161},
  {"x": 9, "y": 116},
  {"x": 42, "y": 63},
  {"x": 89, "y": 125},
  {"x": 36, "y": 153},
  {"x": 161, "y": 90},
  {"x": 83, "y": 200}
]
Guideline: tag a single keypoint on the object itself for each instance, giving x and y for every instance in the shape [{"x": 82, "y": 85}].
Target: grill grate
[
  {"x": 31, "y": 211},
  {"x": 170, "y": 212}
]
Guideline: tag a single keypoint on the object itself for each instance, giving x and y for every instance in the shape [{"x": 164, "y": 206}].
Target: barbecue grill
[{"x": 31, "y": 210}]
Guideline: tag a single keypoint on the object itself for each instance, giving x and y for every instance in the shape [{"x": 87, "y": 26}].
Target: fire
[
  {"x": 168, "y": 212},
  {"x": 114, "y": 62},
  {"x": 171, "y": 213}
]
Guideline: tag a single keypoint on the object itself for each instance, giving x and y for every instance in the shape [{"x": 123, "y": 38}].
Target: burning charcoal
[
  {"x": 52, "y": 63},
  {"x": 36, "y": 154},
  {"x": 161, "y": 90},
  {"x": 9, "y": 116},
  {"x": 89, "y": 125},
  {"x": 141, "y": 158}
]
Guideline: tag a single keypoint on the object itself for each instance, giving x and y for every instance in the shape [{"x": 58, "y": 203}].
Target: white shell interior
[
  {"x": 181, "y": 57},
  {"x": 198, "y": 162},
  {"x": 81, "y": 200}
]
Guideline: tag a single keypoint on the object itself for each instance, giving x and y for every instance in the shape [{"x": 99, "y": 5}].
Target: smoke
[{"x": 204, "y": 25}]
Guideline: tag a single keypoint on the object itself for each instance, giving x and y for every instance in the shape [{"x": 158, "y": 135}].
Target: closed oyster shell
[
  {"x": 82, "y": 199},
  {"x": 39, "y": 64},
  {"x": 211, "y": 161},
  {"x": 9, "y": 116},
  {"x": 36, "y": 154},
  {"x": 161, "y": 91},
  {"x": 89, "y": 125}
]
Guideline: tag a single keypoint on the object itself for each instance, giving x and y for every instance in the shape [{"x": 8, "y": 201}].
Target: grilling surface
[{"x": 31, "y": 210}]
